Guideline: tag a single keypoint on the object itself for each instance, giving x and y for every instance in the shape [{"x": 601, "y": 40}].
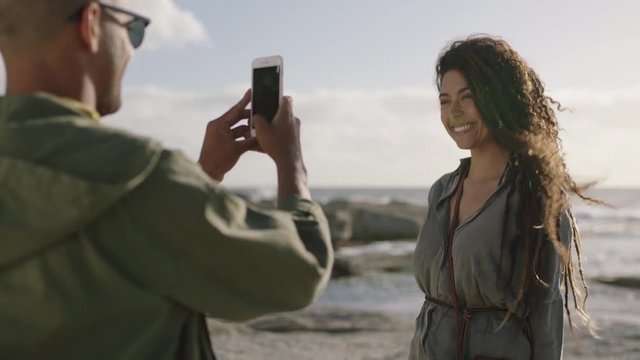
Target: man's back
[{"x": 112, "y": 246}]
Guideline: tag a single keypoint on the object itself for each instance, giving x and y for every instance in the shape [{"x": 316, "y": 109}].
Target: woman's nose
[{"x": 456, "y": 109}]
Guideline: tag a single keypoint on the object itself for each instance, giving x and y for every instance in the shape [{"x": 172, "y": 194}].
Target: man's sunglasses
[{"x": 135, "y": 27}]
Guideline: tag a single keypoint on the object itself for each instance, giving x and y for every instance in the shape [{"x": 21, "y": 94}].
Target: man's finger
[
  {"x": 247, "y": 144},
  {"x": 285, "y": 108},
  {"x": 233, "y": 115},
  {"x": 247, "y": 133},
  {"x": 231, "y": 121},
  {"x": 257, "y": 148},
  {"x": 246, "y": 99},
  {"x": 245, "y": 114},
  {"x": 259, "y": 123},
  {"x": 240, "y": 131}
]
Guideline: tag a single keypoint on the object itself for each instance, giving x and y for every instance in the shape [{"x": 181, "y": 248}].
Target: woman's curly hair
[{"x": 510, "y": 98}]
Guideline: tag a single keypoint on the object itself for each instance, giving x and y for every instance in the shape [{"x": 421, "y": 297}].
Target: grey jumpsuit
[{"x": 482, "y": 264}]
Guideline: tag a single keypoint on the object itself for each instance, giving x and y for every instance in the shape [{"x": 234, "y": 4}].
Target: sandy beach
[
  {"x": 333, "y": 334},
  {"x": 368, "y": 311}
]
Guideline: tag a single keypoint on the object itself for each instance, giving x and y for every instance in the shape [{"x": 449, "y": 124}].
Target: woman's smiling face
[{"x": 459, "y": 114}]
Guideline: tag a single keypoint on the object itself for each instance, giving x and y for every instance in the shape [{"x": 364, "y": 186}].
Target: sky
[{"x": 361, "y": 74}]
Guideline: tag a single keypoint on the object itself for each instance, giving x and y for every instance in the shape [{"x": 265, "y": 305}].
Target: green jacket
[{"x": 114, "y": 248}]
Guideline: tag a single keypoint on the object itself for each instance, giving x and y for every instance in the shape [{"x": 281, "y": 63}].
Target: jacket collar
[
  {"x": 18, "y": 108},
  {"x": 451, "y": 181}
]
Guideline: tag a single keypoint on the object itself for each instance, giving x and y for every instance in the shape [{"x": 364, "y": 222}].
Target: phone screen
[{"x": 266, "y": 91}]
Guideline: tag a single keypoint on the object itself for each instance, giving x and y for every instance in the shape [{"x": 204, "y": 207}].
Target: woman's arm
[{"x": 546, "y": 305}]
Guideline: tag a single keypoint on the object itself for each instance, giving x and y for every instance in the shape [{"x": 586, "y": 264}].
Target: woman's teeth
[{"x": 461, "y": 128}]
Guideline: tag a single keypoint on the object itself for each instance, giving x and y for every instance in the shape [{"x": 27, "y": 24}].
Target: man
[{"x": 110, "y": 246}]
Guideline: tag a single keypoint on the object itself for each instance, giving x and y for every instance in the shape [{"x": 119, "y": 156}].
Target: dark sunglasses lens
[{"x": 136, "y": 32}]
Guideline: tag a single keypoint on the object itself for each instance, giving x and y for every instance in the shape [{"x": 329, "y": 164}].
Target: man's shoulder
[
  {"x": 73, "y": 145},
  {"x": 102, "y": 153}
]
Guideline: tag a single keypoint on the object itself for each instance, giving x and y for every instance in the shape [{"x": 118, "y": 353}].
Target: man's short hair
[{"x": 25, "y": 23}]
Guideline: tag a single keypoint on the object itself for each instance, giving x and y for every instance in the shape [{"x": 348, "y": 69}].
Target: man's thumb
[
  {"x": 259, "y": 122},
  {"x": 248, "y": 144}
]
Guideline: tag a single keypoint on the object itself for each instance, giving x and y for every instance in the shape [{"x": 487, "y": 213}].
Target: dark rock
[
  {"x": 628, "y": 282},
  {"x": 366, "y": 221},
  {"x": 343, "y": 268},
  {"x": 387, "y": 256},
  {"x": 341, "y": 225}
]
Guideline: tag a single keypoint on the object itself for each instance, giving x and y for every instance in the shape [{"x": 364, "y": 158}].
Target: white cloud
[
  {"x": 597, "y": 98},
  {"x": 171, "y": 25},
  {"x": 600, "y": 136},
  {"x": 387, "y": 138}
]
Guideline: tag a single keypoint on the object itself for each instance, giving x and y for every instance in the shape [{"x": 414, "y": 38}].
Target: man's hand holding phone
[
  {"x": 224, "y": 142},
  {"x": 281, "y": 141},
  {"x": 278, "y": 135}
]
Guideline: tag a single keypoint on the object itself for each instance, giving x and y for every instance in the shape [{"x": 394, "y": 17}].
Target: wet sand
[{"x": 360, "y": 335}]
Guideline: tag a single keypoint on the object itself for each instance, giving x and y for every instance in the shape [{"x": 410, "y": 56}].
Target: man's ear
[{"x": 90, "y": 27}]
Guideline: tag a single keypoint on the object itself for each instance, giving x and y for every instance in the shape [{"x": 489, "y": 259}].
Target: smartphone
[{"x": 266, "y": 86}]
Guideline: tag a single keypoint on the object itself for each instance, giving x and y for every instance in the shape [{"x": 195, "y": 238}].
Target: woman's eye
[
  {"x": 466, "y": 97},
  {"x": 444, "y": 102}
]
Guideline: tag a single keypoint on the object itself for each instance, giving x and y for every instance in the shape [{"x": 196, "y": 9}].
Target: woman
[{"x": 496, "y": 243}]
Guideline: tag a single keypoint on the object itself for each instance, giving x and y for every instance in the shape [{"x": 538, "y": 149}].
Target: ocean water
[
  {"x": 323, "y": 195},
  {"x": 611, "y": 248}
]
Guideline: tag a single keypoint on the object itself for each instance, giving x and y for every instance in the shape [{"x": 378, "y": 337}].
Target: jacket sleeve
[
  {"x": 210, "y": 250},
  {"x": 546, "y": 305}
]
